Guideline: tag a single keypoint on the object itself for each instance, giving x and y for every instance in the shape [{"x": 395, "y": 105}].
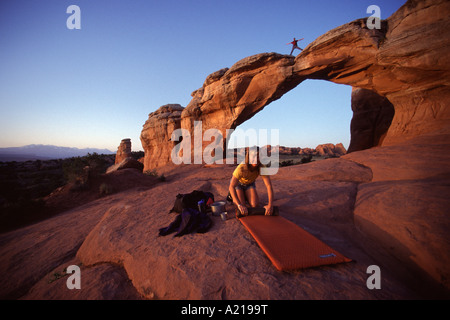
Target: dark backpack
[
  {"x": 189, "y": 221},
  {"x": 190, "y": 200}
]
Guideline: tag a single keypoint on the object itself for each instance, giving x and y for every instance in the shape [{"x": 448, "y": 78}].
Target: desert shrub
[
  {"x": 97, "y": 163},
  {"x": 79, "y": 184},
  {"x": 106, "y": 189},
  {"x": 154, "y": 173},
  {"x": 137, "y": 154},
  {"x": 286, "y": 163},
  {"x": 306, "y": 159},
  {"x": 74, "y": 168}
]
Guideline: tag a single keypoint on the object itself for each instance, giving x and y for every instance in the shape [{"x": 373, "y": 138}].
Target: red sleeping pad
[{"x": 287, "y": 245}]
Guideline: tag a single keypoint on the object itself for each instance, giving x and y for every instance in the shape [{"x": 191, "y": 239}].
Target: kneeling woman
[{"x": 242, "y": 184}]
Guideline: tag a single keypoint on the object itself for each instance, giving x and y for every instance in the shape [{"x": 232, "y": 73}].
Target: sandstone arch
[{"x": 393, "y": 64}]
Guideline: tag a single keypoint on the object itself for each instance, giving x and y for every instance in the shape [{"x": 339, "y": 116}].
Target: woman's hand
[
  {"x": 269, "y": 210},
  {"x": 243, "y": 209}
]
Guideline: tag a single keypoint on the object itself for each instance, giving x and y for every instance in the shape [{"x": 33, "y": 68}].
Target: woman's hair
[{"x": 249, "y": 151}]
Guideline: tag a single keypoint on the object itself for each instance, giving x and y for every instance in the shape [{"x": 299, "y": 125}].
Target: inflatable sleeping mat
[{"x": 287, "y": 245}]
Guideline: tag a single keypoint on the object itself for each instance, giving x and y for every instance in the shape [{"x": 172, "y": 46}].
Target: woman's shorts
[{"x": 245, "y": 187}]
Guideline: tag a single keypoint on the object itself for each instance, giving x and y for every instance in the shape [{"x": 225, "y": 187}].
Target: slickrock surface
[{"x": 398, "y": 224}]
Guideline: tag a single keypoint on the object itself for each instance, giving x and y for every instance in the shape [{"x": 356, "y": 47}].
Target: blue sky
[{"x": 95, "y": 86}]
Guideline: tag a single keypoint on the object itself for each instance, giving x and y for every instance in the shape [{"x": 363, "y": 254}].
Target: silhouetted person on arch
[{"x": 295, "y": 46}]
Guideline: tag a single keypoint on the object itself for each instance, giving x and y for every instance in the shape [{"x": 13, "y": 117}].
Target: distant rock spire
[{"x": 123, "y": 151}]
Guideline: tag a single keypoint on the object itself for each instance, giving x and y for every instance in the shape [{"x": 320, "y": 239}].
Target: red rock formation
[
  {"x": 156, "y": 133},
  {"x": 127, "y": 163},
  {"x": 405, "y": 61},
  {"x": 328, "y": 149},
  {"x": 124, "y": 158},
  {"x": 123, "y": 151}
]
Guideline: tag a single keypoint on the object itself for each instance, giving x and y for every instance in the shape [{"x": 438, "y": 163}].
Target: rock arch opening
[{"x": 315, "y": 112}]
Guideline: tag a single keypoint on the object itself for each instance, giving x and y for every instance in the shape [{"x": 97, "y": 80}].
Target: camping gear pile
[
  {"x": 192, "y": 209},
  {"x": 288, "y": 246}
]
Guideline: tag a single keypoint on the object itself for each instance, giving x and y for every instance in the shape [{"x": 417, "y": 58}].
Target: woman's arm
[
  {"x": 233, "y": 183},
  {"x": 268, "y": 183}
]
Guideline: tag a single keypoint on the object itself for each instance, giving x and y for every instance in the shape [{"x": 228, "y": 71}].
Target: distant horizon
[
  {"x": 112, "y": 151},
  {"x": 52, "y": 145},
  {"x": 141, "y": 149},
  {"x": 23, "y": 154}
]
